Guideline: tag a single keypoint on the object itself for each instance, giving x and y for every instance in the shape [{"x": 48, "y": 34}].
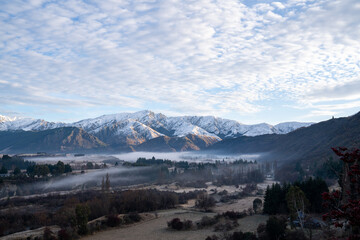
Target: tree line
[{"x": 275, "y": 196}]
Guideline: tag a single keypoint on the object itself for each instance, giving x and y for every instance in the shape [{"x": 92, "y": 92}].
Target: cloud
[
  {"x": 341, "y": 106},
  {"x": 128, "y": 54},
  {"x": 315, "y": 114},
  {"x": 340, "y": 91},
  {"x": 279, "y": 5}
]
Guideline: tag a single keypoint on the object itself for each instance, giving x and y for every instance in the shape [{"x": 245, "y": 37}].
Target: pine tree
[
  {"x": 107, "y": 182},
  {"x": 103, "y": 184}
]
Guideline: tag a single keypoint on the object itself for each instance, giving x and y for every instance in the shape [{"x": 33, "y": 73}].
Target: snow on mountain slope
[
  {"x": 226, "y": 128},
  {"x": 259, "y": 129},
  {"x": 6, "y": 119},
  {"x": 130, "y": 128},
  {"x": 286, "y": 127},
  {"x": 181, "y": 127},
  {"x": 223, "y": 128},
  {"x": 28, "y": 124},
  {"x": 130, "y": 132},
  {"x": 135, "y": 128},
  {"x": 96, "y": 124}
]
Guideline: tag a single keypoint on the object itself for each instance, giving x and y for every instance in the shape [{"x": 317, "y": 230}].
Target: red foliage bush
[{"x": 344, "y": 206}]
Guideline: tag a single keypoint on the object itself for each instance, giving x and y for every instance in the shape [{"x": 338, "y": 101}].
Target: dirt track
[{"x": 156, "y": 228}]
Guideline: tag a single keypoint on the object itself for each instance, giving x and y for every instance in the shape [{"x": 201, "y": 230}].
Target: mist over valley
[{"x": 157, "y": 120}]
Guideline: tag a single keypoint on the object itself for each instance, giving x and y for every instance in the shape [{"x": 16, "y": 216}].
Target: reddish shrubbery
[{"x": 344, "y": 206}]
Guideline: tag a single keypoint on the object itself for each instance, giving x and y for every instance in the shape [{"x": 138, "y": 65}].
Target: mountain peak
[
  {"x": 135, "y": 128},
  {"x": 6, "y": 119}
]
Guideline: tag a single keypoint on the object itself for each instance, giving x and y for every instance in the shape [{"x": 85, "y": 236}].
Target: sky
[{"x": 251, "y": 61}]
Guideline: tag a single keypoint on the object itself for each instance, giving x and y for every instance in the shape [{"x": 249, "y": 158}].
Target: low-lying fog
[
  {"x": 133, "y": 156},
  {"x": 118, "y": 177}
]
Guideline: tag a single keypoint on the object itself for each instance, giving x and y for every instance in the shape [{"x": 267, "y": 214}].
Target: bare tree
[{"x": 297, "y": 203}]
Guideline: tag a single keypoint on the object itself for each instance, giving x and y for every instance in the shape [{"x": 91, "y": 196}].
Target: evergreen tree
[
  {"x": 17, "y": 171},
  {"x": 275, "y": 228},
  {"x": 67, "y": 168},
  {"x": 313, "y": 189},
  {"x": 3, "y": 170},
  {"x": 60, "y": 168},
  {"x": 103, "y": 184},
  {"x": 274, "y": 201},
  {"x": 107, "y": 182},
  {"x": 82, "y": 214}
]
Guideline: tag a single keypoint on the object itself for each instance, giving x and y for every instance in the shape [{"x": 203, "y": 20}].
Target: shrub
[
  {"x": 113, "y": 220},
  {"x": 48, "y": 234},
  {"x": 261, "y": 230},
  {"x": 223, "y": 193},
  {"x": 207, "y": 221},
  {"x": 135, "y": 217},
  {"x": 343, "y": 206},
  {"x": 234, "y": 236},
  {"x": 131, "y": 218},
  {"x": 257, "y": 205},
  {"x": 65, "y": 234},
  {"x": 227, "y": 226},
  {"x": 275, "y": 227},
  {"x": 188, "y": 224},
  {"x": 176, "y": 224},
  {"x": 213, "y": 237},
  {"x": 234, "y": 215},
  {"x": 205, "y": 202},
  {"x": 243, "y": 236},
  {"x": 82, "y": 213},
  {"x": 295, "y": 235}
]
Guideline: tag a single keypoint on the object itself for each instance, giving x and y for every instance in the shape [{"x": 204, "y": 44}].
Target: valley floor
[{"x": 156, "y": 227}]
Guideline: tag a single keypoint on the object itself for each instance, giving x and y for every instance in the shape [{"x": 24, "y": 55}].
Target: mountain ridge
[
  {"x": 118, "y": 133},
  {"x": 139, "y": 130},
  {"x": 64, "y": 139},
  {"x": 303, "y": 144},
  {"x": 152, "y": 125}
]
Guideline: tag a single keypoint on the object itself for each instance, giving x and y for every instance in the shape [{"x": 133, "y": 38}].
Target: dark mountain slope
[
  {"x": 313, "y": 142},
  {"x": 176, "y": 144},
  {"x": 55, "y": 140}
]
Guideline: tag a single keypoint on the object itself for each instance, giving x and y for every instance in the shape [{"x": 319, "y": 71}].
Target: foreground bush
[
  {"x": 67, "y": 234},
  {"x": 177, "y": 224},
  {"x": 226, "y": 226},
  {"x": 207, "y": 221},
  {"x": 233, "y": 215},
  {"x": 275, "y": 227},
  {"x": 113, "y": 220},
  {"x": 205, "y": 202},
  {"x": 235, "y": 236},
  {"x": 48, "y": 234},
  {"x": 343, "y": 206},
  {"x": 131, "y": 218}
]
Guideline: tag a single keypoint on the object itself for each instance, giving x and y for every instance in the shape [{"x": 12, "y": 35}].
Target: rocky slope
[
  {"x": 190, "y": 142},
  {"x": 65, "y": 139},
  {"x": 132, "y": 129}
]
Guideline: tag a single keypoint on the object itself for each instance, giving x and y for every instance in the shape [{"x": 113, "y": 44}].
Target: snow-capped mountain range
[{"x": 136, "y": 128}]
